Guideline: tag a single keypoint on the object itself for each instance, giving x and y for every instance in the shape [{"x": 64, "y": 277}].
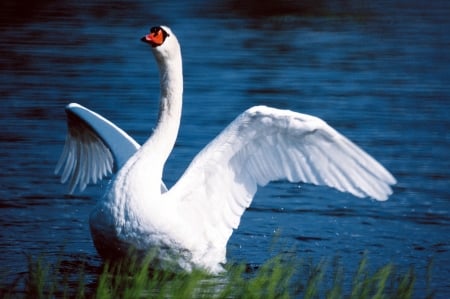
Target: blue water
[{"x": 378, "y": 73}]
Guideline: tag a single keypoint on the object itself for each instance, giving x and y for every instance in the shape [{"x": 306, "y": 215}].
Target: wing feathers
[
  {"x": 84, "y": 159},
  {"x": 94, "y": 147},
  {"x": 265, "y": 144}
]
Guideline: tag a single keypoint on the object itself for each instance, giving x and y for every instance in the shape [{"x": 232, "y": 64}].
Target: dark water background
[{"x": 377, "y": 72}]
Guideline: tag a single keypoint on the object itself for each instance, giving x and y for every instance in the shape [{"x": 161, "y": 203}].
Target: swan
[{"x": 188, "y": 225}]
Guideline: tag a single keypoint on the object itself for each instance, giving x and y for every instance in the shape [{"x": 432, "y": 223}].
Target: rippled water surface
[{"x": 378, "y": 73}]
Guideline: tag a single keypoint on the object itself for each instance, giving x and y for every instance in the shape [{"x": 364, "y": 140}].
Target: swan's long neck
[
  {"x": 162, "y": 141},
  {"x": 142, "y": 173}
]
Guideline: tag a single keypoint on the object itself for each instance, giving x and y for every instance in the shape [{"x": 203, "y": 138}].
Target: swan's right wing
[
  {"x": 94, "y": 148},
  {"x": 265, "y": 144}
]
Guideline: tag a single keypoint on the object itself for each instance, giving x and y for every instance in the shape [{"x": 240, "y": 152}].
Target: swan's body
[{"x": 190, "y": 224}]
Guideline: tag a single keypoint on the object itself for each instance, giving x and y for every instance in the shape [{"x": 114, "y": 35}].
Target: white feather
[{"x": 266, "y": 144}]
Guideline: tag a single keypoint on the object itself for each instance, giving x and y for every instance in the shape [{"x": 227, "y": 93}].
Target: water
[{"x": 378, "y": 73}]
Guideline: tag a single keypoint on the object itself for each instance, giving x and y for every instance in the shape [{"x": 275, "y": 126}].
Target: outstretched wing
[
  {"x": 265, "y": 144},
  {"x": 94, "y": 148}
]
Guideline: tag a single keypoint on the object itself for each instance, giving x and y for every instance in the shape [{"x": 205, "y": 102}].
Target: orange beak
[{"x": 154, "y": 38}]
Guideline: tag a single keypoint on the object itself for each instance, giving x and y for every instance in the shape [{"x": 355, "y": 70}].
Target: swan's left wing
[
  {"x": 94, "y": 148},
  {"x": 266, "y": 144}
]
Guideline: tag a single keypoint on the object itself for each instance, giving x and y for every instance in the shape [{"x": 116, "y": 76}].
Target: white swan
[{"x": 190, "y": 224}]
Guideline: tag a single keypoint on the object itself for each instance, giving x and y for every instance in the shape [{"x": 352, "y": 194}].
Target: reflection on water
[{"x": 379, "y": 73}]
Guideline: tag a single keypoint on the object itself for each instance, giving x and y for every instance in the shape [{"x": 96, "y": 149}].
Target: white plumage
[{"x": 190, "y": 224}]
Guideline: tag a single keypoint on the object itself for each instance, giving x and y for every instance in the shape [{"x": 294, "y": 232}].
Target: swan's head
[{"x": 164, "y": 43}]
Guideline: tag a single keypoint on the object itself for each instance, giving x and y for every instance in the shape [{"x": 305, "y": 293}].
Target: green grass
[{"x": 280, "y": 277}]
